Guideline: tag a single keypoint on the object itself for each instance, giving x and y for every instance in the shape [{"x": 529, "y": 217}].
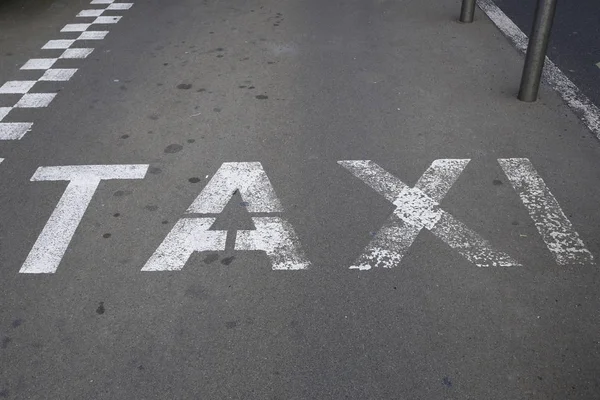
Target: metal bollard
[
  {"x": 467, "y": 11},
  {"x": 536, "y": 50}
]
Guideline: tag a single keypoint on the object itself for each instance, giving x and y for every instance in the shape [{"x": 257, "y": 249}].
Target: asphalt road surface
[{"x": 292, "y": 199}]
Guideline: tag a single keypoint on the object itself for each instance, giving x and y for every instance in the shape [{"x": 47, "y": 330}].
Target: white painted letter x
[{"x": 418, "y": 208}]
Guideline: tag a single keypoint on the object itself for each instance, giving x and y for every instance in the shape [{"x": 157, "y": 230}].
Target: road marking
[
  {"x": 90, "y": 13},
  {"x": 92, "y": 35},
  {"x": 58, "y": 44},
  {"x": 418, "y": 208},
  {"x": 75, "y": 27},
  {"x": 587, "y": 111},
  {"x": 58, "y": 74},
  {"x": 249, "y": 178},
  {"x": 187, "y": 236},
  {"x": 273, "y": 235},
  {"x": 35, "y": 100},
  {"x": 119, "y": 6},
  {"x": 16, "y": 87},
  {"x": 16, "y": 130},
  {"x": 549, "y": 219},
  {"x": 51, "y": 244},
  {"x": 4, "y": 112},
  {"x": 39, "y": 63},
  {"x": 391, "y": 243},
  {"x": 76, "y": 53},
  {"x": 277, "y": 238},
  {"x": 106, "y": 20}
]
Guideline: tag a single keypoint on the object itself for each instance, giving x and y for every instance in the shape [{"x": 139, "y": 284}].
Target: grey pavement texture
[{"x": 397, "y": 82}]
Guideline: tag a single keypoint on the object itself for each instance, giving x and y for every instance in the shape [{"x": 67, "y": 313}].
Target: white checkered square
[
  {"x": 39, "y": 64},
  {"x": 4, "y": 112},
  {"x": 120, "y": 6},
  {"x": 17, "y": 87},
  {"x": 58, "y": 44},
  {"x": 35, "y": 100},
  {"x": 90, "y": 13},
  {"x": 75, "y": 27},
  {"x": 58, "y": 75},
  {"x": 92, "y": 35},
  {"x": 76, "y": 53},
  {"x": 106, "y": 20}
]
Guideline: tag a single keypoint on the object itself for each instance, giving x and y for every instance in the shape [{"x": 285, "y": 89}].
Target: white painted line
[
  {"x": 35, "y": 100},
  {"x": 249, "y": 178},
  {"x": 89, "y": 173},
  {"x": 4, "y": 112},
  {"x": 39, "y": 64},
  {"x": 277, "y": 238},
  {"x": 58, "y": 44},
  {"x": 549, "y": 219},
  {"x": 102, "y": 1},
  {"x": 106, "y": 20},
  {"x": 58, "y": 75},
  {"x": 588, "y": 112},
  {"x": 75, "y": 27},
  {"x": 187, "y": 236},
  {"x": 51, "y": 244},
  {"x": 14, "y": 130},
  {"x": 418, "y": 210},
  {"x": 120, "y": 6},
  {"x": 598, "y": 65},
  {"x": 76, "y": 53},
  {"x": 90, "y": 13},
  {"x": 17, "y": 87},
  {"x": 92, "y": 35}
]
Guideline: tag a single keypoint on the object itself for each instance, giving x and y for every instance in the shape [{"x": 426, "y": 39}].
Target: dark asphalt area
[
  {"x": 186, "y": 85},
  {"x": 575, "y": 40}
]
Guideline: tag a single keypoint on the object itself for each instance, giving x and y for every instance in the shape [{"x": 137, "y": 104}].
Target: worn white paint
[
  {"x": 249, "y": 178},
  {"x": 91, "y": 13},
  {"x": 92, "y": 35},
  {"x": 549, "y": 219},
  {"x": 75, "y": 27},
  {"x": 58, "y": 74},
  {"x": 76, "y": 53},
  {"x": 35, "y": 100},
  {"x": 14, "y": 130},
  {"x": 187, "y": 236},
  {"x": 102, "y": 1},
  {"x": 577, "y": 101},
  {"x": 119, "y": 6},
  {"x": 391, "y": 243},
  {"x": 418, "y": 208},
  {"x": 16, "y": 87},
  {"x": 106, "y": 20},
  {"x": 4, "y": 112},
  {"x": 277, "y": 238},
  {"x": 51, "y": 244},
  {"x": 39, "y": 63},
  {"x": 58, "y": 44},
  {"x": 273, "y": 235}
]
